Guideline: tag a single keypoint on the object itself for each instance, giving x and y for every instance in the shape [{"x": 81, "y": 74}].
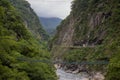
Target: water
[{"x": 69, "y": 76}]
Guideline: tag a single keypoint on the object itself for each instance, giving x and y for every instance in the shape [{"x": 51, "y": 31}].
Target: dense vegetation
[
  {"x": 30, "y": 18},
  {"x": 19, "y": 51},
  {"x": 96, "y": 25}
]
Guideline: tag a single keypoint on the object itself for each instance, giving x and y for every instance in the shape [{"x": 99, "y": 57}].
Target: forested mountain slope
[
  {"x": 50, "y": 24},
  {"x": 19, "y": 51},
  {"x": 94, "y": 27},
  {"x": 30, "y": 18}
]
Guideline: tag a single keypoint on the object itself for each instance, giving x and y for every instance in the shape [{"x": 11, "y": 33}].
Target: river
[{"x": 69, "y": 76}]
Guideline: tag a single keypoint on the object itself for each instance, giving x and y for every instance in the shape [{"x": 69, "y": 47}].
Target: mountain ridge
[
  {"x": 30, "y": 19},
  {"x": 50, "y": 24}
]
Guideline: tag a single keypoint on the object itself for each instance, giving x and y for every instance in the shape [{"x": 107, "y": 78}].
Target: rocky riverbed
[
  {"x": 63, "y": 75},
  {"x": 69, "y": 76}
]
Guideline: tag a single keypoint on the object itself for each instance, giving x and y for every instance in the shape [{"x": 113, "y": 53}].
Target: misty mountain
[{"x": 50, "y": 24}]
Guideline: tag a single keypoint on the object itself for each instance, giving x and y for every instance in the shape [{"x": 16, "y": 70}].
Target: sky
[{"x": 51, "y": 8}]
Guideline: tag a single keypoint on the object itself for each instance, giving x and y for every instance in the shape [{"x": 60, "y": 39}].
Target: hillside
[
  {"x": 19, "y": 51},
  {"x": 91, "y": 33},
  {"x": 30, "y": 18},
  {"x": 50, "y": 24}
]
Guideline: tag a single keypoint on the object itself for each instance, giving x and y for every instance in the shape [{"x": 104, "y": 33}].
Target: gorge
[{"x": 85, "y": 45}]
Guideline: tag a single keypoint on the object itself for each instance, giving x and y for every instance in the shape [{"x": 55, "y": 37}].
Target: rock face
[
  {"x": 65, "y": 33},
  {"x": 67, "y": 38},
  {"x": 70, "y": 34},
  {"x": 87, "y": 24}
]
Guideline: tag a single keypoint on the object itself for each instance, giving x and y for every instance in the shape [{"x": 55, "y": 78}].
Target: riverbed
[{"x": 70, "y": 76}]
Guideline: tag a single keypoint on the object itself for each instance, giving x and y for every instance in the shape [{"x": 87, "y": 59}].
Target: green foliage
[
  {"x": 87, "y": 54},
  {"x": 114, "y": 67},
  {"x": 30, "y": 19},
  {"x": 75, "y": 55},
  {"x": 17, "y": 44}
]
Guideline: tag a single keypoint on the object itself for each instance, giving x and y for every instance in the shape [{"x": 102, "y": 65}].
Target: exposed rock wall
[{"x": 85, "y": 26}]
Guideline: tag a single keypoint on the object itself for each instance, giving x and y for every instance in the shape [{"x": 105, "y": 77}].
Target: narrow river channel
[{"x": 69, "y": 76}]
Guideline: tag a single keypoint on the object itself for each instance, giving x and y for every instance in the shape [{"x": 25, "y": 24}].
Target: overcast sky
[{"x": 51, "y": 8}]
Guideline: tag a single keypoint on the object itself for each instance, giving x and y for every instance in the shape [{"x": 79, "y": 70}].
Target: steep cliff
[
  {"x": 91, "y": 33},
  {"x": 19, "y": 50},
  {"x": 89, "y": 21},
  {"x": 30, "y": 18}
]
